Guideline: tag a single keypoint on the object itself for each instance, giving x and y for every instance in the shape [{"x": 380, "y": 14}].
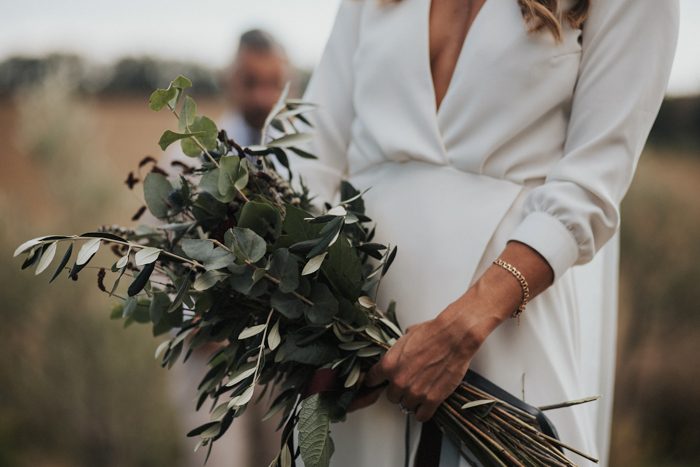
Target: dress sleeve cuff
[{"x": 549, "y": 237}]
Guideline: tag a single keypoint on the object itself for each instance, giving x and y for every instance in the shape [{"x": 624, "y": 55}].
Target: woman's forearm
[{"x": 497, "y": 293}]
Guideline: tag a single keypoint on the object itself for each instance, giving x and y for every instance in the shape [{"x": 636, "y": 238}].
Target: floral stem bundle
[{"x": 242, "y": 259}]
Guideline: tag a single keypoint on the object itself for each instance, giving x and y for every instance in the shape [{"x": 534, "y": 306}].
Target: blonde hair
[{"x": 546, "y": 14}]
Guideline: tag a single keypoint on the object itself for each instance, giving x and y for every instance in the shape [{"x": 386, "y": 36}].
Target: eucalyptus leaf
[
  {"x": 325, "y": 305},
  {"x": 287, "y": 304},
  {"x": 206, "y": 132},
  {"x": 187, "y": 113},
  {"x": 156, "y": 192},
  {"x": 161, "y": 98},
  {"x": 247, "y": 245},
  {"x": 261, "y": 217},
  {"x": 285, "y": 267},
  {"x": 169, "y": 137},
  {"x": 208, "y": 280}
]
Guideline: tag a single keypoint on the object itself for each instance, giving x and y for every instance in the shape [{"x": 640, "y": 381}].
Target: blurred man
[{"x": 252, "y": 83}]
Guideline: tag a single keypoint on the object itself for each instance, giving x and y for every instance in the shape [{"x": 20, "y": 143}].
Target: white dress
[{"x": 533, "y": 141}]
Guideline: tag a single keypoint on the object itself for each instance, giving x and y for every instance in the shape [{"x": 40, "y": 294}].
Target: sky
[{"x": 205, "y": 31}]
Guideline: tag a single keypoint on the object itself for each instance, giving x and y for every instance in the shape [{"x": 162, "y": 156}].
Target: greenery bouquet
[{"x": 243, "y": 259}]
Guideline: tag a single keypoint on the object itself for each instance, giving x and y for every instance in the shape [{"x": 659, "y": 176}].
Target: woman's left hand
[{"x": 427, "y": 364}]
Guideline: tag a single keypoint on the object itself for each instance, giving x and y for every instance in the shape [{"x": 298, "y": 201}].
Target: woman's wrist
[
  {"x": 496, "y": 294},
  {"x": 481, "y": 309}
]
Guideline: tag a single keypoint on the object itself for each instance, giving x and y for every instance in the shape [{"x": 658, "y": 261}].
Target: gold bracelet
[{"x": 523, "y": 285}]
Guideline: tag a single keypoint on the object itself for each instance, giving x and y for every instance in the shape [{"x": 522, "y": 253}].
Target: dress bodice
[{"x": 503, "y": 115}]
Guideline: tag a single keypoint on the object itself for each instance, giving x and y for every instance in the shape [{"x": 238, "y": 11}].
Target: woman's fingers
[{"x": 375, "y": 375}]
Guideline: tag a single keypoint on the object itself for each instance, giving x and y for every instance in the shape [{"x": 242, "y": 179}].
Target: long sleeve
[
  {"x": 627, "y": 52},
  {"x": 331, "y": 88}
]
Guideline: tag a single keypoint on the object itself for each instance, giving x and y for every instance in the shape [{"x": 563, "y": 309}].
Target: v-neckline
[{"x": 437, "y": 108}]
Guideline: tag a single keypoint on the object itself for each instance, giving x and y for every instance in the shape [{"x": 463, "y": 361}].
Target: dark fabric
[{"x": 429, "y": 444}]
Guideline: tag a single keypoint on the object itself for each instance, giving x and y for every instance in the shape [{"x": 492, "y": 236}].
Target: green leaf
[
  {"x": 353, "y": 376},
  {"x": 117, "y": 280},
  {"x": 246, "y": 244},
  {"x": 329, "y": 234},
  {"x": 243, "y": 398},
  {"x": 296, "y": 228},
  {"x": 86, "y": 251},
  {"x": 251, "y": 331},
  {"x": 187, "y": 113},
  {"x": 202, "y": 428},
  {"x": 325, "y": 305},
  {"x": 293, "y": 139},
  {"x": 129, "y": 307},
  {"x": 261, "y": 217},
  {"x": 205, "y": 252},
  {"x": 62, "y": 264},
  {"x": 208, "y": 280},
  {"x": 46, "y": 258},
  {"x": 285, "y": 267},
  {"x": 233, "y": 175},
  {"x": 287, "y": 304},
  {"x": 207, "y": 133},
  {"x": 285, "y": 457},
  {"x": 180, "y": 295},
  {"x": 162, "y": 97},
  {"x": 314, "y": 264},
  {"x": 317, "y": 352},
  {"x": 169, "y": 137},
  {"x": 302, "y": 153},
  {"x": 209, "y": 183},
  {"x": 146, "y": 255},
  {"x": 181, "y": 83},
  {"x": 389, "y": 260},
  {"x": 315, "y": 443},
  {"x": 343, "y": 268},
  {"x": 161, "y": 348},
  {"x": 141, "y": 279},
  {"x": 273, "y": 336},
  {"x": 156, "y": 190},
  {"x": 159, "y": 305},
  {"x": 243, "y": 372}
]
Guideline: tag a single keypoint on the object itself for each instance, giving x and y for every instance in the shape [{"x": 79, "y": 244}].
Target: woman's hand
[{"x": 427, "y": 364}]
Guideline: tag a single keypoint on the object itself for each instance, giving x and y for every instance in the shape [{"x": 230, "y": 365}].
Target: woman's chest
[{"x": 497, "y": 62}]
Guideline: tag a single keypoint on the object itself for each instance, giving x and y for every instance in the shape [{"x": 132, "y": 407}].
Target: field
[{"x": 76, "y": 390}]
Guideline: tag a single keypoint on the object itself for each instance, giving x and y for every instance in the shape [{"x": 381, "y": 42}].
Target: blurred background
[{"x": 77, "y": 390}]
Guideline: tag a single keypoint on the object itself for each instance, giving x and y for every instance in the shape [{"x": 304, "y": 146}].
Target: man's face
[{"x": 255, "y": 83}]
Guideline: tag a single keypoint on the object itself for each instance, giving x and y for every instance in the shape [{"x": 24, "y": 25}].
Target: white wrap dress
[{"x": 534, "y": 141}]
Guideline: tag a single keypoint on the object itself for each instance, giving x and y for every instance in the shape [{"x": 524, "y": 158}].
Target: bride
[{"x": 498, "y": 138}]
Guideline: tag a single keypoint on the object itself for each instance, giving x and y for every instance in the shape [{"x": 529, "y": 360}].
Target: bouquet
[{"x": 243, "y": 259}]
